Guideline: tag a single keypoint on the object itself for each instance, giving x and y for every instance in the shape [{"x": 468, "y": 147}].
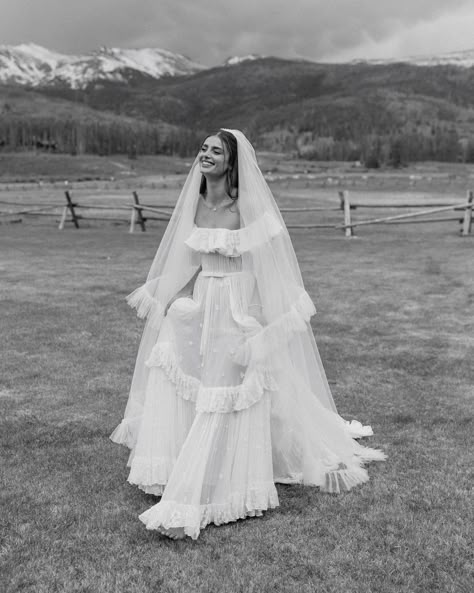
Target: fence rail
[
  {"x": 141, "y": 214},
  {"x": 466, "y": 220}
]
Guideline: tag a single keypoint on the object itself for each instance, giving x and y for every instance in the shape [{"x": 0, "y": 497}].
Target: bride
[{"x": 229, "y": 394}]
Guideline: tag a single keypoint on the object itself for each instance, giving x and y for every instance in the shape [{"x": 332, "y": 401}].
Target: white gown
[{"x": 205, "y": 442}]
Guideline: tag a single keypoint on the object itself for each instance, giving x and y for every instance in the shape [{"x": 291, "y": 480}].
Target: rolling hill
[{"x": 395, "y": 111}]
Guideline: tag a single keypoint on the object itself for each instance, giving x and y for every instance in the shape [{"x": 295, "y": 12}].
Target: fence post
[
  {"x": 139, "y": 215},
  {"x": 63, "y": 218},
  {"x": 69, "y": 206},
  {"x": 467, "y": 220},
  {"x": 133, "y": 219},
  {"x": 344, "y": 195},
  {"x": 340, "y": 193}
]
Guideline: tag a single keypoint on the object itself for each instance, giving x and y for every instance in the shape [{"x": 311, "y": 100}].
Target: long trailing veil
[{"x": 311, "y": 443}]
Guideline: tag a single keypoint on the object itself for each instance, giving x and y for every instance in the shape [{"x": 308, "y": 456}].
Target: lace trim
[
  {"x": 192, "y": 518},
  {"x": 146, "y": 305},
  {"x": 234, "y": 243},
  {"x": 212, "y": 399},
  {"x": 163, "y": 356}
]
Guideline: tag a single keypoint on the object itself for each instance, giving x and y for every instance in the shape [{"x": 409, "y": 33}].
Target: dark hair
[{"x": 232, "y": 178}]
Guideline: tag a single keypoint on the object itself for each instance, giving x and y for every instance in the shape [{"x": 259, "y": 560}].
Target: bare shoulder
[
  {"x": 233, "y": 215},
  {"x": 229, "y": 217},
  {"x": 203, "y": 217}
]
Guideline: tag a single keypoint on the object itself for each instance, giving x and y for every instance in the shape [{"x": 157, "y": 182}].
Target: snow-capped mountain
[
  {"x": 239, "y": 59},
  {"x": 462, "y": 59},
  {"x": 33, "y": 65}
]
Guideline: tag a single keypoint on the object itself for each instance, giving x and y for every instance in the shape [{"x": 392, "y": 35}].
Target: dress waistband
[{"x": 211, "y": 274}]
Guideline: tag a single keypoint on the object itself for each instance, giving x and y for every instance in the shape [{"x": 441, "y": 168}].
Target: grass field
[{"x": 395, "y": 328}]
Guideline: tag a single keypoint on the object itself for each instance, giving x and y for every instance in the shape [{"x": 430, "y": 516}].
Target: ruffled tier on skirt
[
  {"x": 224, "y": 414},
  {"x": 209, "y": 467}
]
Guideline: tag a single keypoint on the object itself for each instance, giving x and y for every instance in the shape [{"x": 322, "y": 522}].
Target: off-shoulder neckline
[{"x": 233, "y": 242}]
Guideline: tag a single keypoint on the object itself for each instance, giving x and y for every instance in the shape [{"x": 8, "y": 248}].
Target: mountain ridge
[
  {"x": 29, "y": 64},
  {"x": 461, "y": 59},
  {"x": 36, "y": 66}
]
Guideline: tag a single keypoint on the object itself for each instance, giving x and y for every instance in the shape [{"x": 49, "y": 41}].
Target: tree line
[
  {"x": 100, "y": 137},
  {"x": 340, "y": 142},
  {"x": 395, "y": 149}
]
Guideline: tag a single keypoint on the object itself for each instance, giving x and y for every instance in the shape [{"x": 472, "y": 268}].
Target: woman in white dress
[{"x": 229, "y": 394}]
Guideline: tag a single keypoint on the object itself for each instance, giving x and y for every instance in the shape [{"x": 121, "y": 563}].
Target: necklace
[{"x": 214, "y": 208}]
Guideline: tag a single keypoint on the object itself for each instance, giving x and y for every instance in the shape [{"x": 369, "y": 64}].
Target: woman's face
[{"x": 213, "y": 157}]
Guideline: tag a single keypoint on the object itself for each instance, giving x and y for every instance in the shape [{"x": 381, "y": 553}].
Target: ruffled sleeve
[
  {"x": 273, "y": 336},
  {"x": 234, "y": 243},
  {"x": 146, "y": 304}
]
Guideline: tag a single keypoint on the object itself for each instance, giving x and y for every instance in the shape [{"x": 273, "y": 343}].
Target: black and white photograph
[{"x": 237, "y": 289}]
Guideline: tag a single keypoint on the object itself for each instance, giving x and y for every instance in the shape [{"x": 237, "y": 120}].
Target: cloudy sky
[{"x": 209, "y": 31}]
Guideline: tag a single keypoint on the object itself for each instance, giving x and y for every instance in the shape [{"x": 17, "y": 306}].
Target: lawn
[{"x": 395, "y": 328}]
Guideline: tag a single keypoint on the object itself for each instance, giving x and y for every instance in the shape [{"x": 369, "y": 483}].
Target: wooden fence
[
  {"x": 466, "y": 219},
  {"x": 141, "y": 214}
]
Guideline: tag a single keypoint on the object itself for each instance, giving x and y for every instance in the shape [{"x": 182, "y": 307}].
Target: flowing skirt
[{"x": 214, "y": 434}]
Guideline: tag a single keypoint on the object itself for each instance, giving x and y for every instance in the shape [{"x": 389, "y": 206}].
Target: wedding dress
[{"x": 229, "y": 394}]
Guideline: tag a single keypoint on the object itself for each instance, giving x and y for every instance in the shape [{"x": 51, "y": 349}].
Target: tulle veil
[{"x": 311, "y": 443}]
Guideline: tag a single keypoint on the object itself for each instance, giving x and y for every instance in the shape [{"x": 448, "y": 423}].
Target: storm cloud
[{"x": 209, "y": 31}]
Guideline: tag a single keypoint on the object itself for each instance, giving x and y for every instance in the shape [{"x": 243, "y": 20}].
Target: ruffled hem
[
  {"x": 357, "y": 430},
  {"x": 149, "y": 472},
  {"x": 155, "y": 489},
  {"x": 168, "y": 515},
  {"x": 224, "y": 399},
  {"x": 234, "y": 243},
  {"x": 340, "y": 479},
  {"x": 343, "y": 480},
  {"x": 280, "y": 331},
  {"x": 122, "y": 435},
  {"x": 367, "y": 454},
  {"x": 146, "y": 305}
]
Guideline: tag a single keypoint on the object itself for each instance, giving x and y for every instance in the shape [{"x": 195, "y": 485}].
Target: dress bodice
[{"x": 215, "y": 264}]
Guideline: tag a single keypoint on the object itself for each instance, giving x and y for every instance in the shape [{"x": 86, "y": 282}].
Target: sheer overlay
[{"x": 229, "y": 394}]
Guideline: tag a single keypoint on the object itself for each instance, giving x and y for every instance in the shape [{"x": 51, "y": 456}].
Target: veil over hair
[{"x": 307, "y": 432}]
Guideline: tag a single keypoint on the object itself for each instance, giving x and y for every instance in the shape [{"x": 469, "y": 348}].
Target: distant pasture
[{"x": 42, "y": 180}]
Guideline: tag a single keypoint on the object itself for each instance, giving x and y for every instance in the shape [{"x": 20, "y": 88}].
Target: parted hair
[{"x": 232, "y": 177}]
